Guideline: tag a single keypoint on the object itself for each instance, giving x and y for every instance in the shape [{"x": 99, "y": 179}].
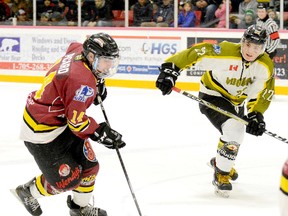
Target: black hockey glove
[
  {"x": 108, "y": 137},
  {"x": 256, "y": 124},
  {"x": 102, "y": 91},
  {"x": 167, "y": 77}
]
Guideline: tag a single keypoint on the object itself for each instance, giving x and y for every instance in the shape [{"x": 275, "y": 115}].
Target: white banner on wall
[
  {"x": 35, "y": 52},
  {"x": 29, "y": 51},
  {"x": 141, "y": 55}
]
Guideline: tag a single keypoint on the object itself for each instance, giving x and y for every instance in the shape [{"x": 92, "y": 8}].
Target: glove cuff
[
  {"x": 255, "y": 115},
  {"x": 98, "y": 133},
  {"x": 171, "y": 69}
]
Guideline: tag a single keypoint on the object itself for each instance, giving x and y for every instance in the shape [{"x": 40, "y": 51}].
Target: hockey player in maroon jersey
[{"x": 56, "y": 129}]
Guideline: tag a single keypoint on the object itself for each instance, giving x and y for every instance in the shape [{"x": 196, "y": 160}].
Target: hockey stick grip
[{"x": 174, "y": 88}]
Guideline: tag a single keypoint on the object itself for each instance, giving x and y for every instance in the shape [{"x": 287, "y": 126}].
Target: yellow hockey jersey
[{"x": 228, "y": 75}]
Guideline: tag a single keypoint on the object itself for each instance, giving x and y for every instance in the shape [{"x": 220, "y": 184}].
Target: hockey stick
[
  {"x": 225, "y": 112},
  {"x": 120, "y": 159}
]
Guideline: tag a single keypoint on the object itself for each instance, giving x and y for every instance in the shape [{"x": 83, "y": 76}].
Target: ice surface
[{"x": 168, "y": 146}]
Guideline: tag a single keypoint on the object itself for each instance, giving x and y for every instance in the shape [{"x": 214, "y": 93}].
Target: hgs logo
[{"x": 159, "y": 48}]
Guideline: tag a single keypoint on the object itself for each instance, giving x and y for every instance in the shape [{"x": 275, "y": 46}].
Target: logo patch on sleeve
[
  {"x": 83, "y": 93},
  {"x": 217, "y": 49}
]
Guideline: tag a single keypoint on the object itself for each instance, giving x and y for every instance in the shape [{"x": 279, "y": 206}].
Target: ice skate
[
  {"x": 233, "y": 173},
  {"x": 23, "y": 194},
  {"x": 89, "y": 210},
  {"x": 222, "y": 184}
]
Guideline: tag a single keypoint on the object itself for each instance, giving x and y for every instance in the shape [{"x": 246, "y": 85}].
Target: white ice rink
[{"x": 168, "y": 146}]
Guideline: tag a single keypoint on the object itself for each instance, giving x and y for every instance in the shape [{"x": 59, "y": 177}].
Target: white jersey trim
[{"x": 26, "y": 134}]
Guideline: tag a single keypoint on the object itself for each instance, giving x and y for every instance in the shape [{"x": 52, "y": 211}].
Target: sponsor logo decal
[
  {"x": 88, "y": 152},
  {"x": 64, "y": 170},
  {"x": 10, "y": 45},
  {"x": 89, "y": 180},
  {"x": 75, "y": 174}
]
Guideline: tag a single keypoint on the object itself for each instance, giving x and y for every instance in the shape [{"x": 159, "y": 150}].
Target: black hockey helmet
[
  {"x": 101, "y": 44},
  {"x": 255, "y": 34},
  {"x": 106, "y": 54}
]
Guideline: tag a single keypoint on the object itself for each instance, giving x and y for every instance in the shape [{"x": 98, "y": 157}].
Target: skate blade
[
  {"x": 222, "y": 193},
  {"x": 209, "y": 164},
  {"x": 13, "y": 191}
]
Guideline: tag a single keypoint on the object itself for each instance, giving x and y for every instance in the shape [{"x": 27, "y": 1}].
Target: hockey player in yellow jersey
[{"x": 239, "y": 78}]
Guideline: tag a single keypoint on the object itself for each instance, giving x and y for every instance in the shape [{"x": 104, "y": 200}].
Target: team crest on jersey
[
  {"x": 83, "y": 93},
  {"x": 217, "y": 49}
]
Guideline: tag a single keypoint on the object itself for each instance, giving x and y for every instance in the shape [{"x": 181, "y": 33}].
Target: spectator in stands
[
  {"x": 102, "y": 15},
  {"x": 200, "y": 5},
  {"x": 186, "y": 17},
  {"x": 22, "y": 4},
  {"x": 142, "y": 12},
  {"x": 246, "y": 5},
  {"x": 117, "y": 4},
  {"x": 47, "y": 6},
  {"x": 44, "y": 19},
  {"x": 235, "y": 5},
  {"x": 56, "y": 19},
  {"x": 273, "y": 15},
  {"x": 86, "y": 13},
  {"x": 220, "y": 14},
  {"x": 155, "y": 9},
  {"x": 14, "y": 7},
  {"x": 131, "y": 4},
  {"x": 207, "y": 8},
  {"x": 9, "y": 3},
  {"x": 276, "y": 4},
  {"x": 164, "y": 16},
  {"x": 4, "y": 11},
  {"x": 181, "y": 5},
  {"x": 159, "y": 2},
  {"x": 249, "y": 19},
  {"x": 28, "y": 7},
  {"x": 61, "y": 8},
  {"x": 271, "y": 27},
  {"x": 210, "y": 11},
  {"x": 22, "y": 18}
]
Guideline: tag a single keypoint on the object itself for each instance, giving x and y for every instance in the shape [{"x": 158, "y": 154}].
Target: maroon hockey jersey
[{"x": 69, "y": 88}]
